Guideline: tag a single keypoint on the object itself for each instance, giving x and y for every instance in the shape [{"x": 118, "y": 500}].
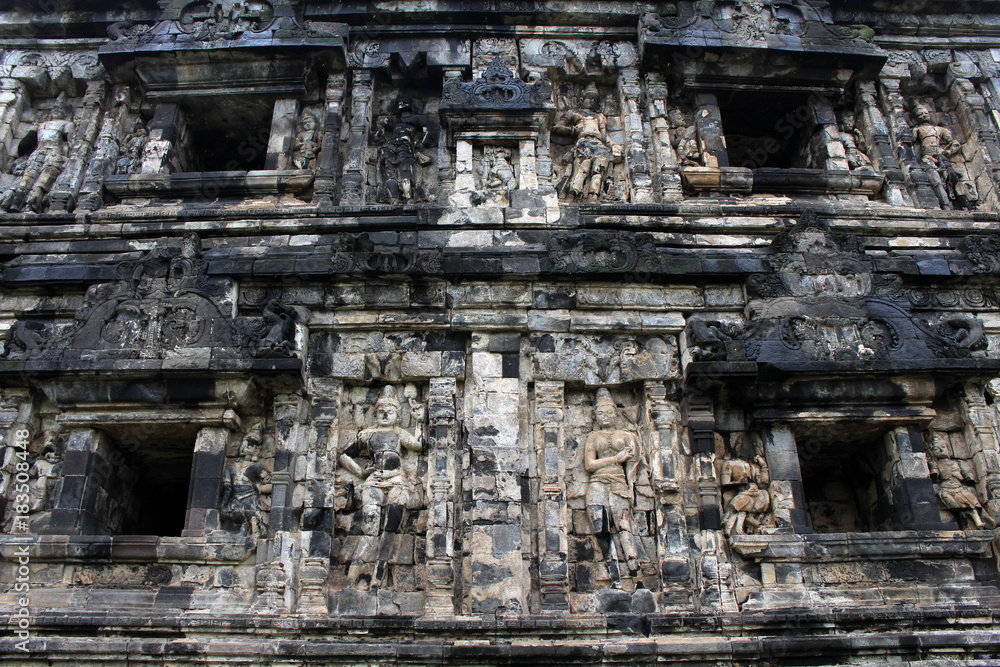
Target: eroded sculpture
[
  {"x": 611, "y": 459},
  {"x": 44, "y": 165},
  {"x": 246, "y": 488},
  {"x": 936, "y": 146},
  {"x": 593, "y": 149},
  {"x": 386, "y": 485},
  {"x": 403, "y": 138}
]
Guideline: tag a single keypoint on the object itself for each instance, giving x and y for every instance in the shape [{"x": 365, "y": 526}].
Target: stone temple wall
[{"x": 476, "y": 333}]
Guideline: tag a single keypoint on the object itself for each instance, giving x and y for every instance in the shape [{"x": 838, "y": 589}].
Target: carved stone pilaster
[
  {"x": 352, "y": 184},
  {"x": 106, "y": 151},
  {"x": 708, "y": 120},
  {"x": 553, "y": 544},
  {"x": 876, "y": 131},
  {"x": 441, "y": 466},
  {"x": 636, "y": 144},
  {"x": 665, "y": 451},
  {"x": 327, "y": 164},
  {"x": 289, "y": 415},
  {"x": 985, "y": 449},
  {"x": 973, "y": 115},
  {"x": 665, "y": 158}
]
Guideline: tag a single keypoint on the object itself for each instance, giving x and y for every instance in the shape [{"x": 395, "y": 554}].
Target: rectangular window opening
[{"x": 766, "y": 128}]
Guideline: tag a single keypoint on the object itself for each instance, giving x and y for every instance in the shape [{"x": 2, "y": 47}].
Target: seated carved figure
[
  {"x": 386, "y": 489},
  {"x": 610, "y": 454}
]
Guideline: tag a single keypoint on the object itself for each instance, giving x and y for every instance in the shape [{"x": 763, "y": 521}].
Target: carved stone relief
[
  {"x": 246, "y": 487},
  {"x": 380, "y": 493},
  {"x": 402, "y": 160},
  {"x": 609, "y": 494},
  {"x": 952, "y": 470},
  {"x": 746, "y": 496},
  {"x": 590, "y": 162},
  {"x": 40, "y": 158},
  {"x": 938, "y": 150}
]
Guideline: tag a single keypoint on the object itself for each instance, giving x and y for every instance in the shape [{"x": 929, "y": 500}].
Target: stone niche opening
[
  {"x": 766, "y": 128},
  {"x": 846, "y": 471},
  {"x": 227, "y": 134},
  {"x": 146, "y": 488}
]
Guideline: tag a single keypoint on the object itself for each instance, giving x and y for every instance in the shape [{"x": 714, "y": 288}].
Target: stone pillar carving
[
  {"x": 553, "y": 544},
  {"x": 289, "y": 415},
  {"x": 320, "y": 468},
  {"x": 106, "y": 151},
  {"x": 665, "y": 452},
  {"x": 161, "y": 155},
  {"x": 207, "y": 468},
  {"x": 328, "y": 162},
  {"x": 64, "y": 192},
  {"x": 668, "y": 166},
  {"x": 74, "y": 510},
  {"x": 441, "y": 467},
  {"x": 636, "y": 143},
  {"x": 920, "y": 179},
  {"x": 352, "y": 184},
  {"x": 985, "y": 449},
  {"x": 708, "y": 120},
  {"x": 913, "y": 504},
  {"x": 873, "y": 126}
]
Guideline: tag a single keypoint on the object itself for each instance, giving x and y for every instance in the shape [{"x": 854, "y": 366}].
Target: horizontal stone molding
[
  {"x": 126, "y": 549},
  {"x": 879, "y": 545}
]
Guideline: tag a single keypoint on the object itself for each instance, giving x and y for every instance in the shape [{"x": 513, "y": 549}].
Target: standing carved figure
[
  {"x": 954, "y": 476},
  {"x": 936, "y": 146},
  {"x": 403, "y": 134},
  {"x": 594, "y": 151},
  {"x": 246, "y": 488},
  {"x": 684, "y": 139},
  {"x": 611, "y": 458},
  {"x": 853, "y": 141},
  {"x": 387, "y": 488},
  {"x": 307, "y": 144},
  {"x": 44, "y": 165}
]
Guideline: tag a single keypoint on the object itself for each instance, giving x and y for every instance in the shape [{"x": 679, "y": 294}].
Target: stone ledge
[
  {"x": 126, "y": 549},
  {"x": 879, "y": 545}
]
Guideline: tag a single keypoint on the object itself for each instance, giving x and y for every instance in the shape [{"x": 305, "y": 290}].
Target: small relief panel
[
  {"x": 950, "y": 459},
  {"x": 380, "y": 497},
  {"x": 587, "y": 154},
  {"x": 609, "y": 493},
  {"x": 745, "y": 482},
  {"x": 28, "y": 477}
]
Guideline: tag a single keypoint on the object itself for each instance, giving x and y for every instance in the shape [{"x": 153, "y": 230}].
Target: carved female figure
[
  {"x": 610, "y": 458},
  {"x": 306, "y": 146}
]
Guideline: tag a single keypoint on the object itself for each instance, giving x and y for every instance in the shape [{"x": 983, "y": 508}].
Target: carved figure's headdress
[
  {"x": 604, "y": 399},
  {"x": 591, "y": 89},
  {"x": 388, "y": 397}
]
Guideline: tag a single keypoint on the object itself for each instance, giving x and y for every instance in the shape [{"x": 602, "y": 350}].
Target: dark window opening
[
  {"x": 229, "y": 134},
  {"x": 766, "y": 128},
  {"x": 842, "y": 485},
  {"x": 146, "y": 490}
]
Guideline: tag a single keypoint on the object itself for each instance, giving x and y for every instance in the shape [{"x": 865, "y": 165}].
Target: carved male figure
[
  {"x": 307, "y": 144},
  {"x": 594, "y": 151},
  {"x": 246, "y": 487},
  {"x": 42, "y": 168},
  {"x": 937, "y": 146},
  {"x": 611, "y": 457},
  {"x": 853, "y": 140},
  {"x": 400, "y": 159},
  {"x": 745, "y": 509},
  {"x": 386, "y": 489}
]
